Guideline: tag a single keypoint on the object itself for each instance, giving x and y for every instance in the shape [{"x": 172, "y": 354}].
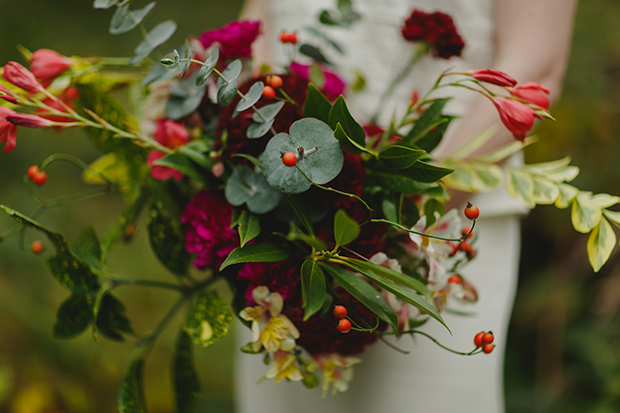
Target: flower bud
[
  {"x": 517, "y": 117},
  {"x": 46, "y": 64},
  {"x": 8, "y": 131},
  {"x": 19, "y": 76},
  {"x": 494, "y": 77},
  {"x": 7, "y": 95},
  {"x": 532, "y": 92},
  {"x": 29, "y": 121}
]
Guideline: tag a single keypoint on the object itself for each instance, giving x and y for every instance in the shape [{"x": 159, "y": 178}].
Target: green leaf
[
  {"x": 520, "y": 185},
  {"x": 268, "y": 112},
  {"x": 231, "y": 73},
  {"x": 128, "y": 217},
  {"x": 613, "y": 216},
  {"x": 390, "y": 206},
  {"x": 364, "y": 293},
  {"x": 185, "y": 379},
  {"x": 345, "y": 228},
  {"x": 320, "y": 167},
  {"x": 425, "y": 172},
  {"x": 567, "y": 195},
  {"x": 74, "y": 316},
  {"x": 188, "y": 53},
  {"x": 226, "y": 94},
  {"x": 295, "y": 234},
  {"x": 326, "y": 18},
  {"x": 171, "y": 60},
  {"x": 395, "y": 181},
  {"x": 209, "y": 64},
  {"x": 156, "y": 37},
  {"x": 183, "y": 164},
  {"x": 329, "y": 40},
  {"x": 316, "y": 75},
  {"x": 185, "y": 97},
  {"x": 545, "y": 191},
  {"x": 313, "y": 52},
  {"x": 197, "y": 151},
  {"x": 300, "y": 212},
  {"x": 210, "y": 318},
  {"x": 348, "y": 143},
  {"x": 585, "y": 213},
  {"x": 431, "y": 207},
  {"x": 430, "y": 138},
  {"x": 167, "y": 239},
  {"x": 312, "y": 287},
  {"x": 111, "y": 318},
  {"x": 259, "y": 129},
  {"x": 431, "y": 116},
  {"x": 316, "y": 105},
  {"x": 245, "y": 186},
  {"x": 473, "y": 176},
  {"x": 125, "y": 20},
  {"x": 600, "y": 244},
  {"x": 394, "y": 276},
  {"x": 400, "y": 157},
  {"x": 249, "y": 227},
  {"x": 506, "y": 150},
  {"x": 339, "y": 113},
  {"x": 255, "y": 253},
  {"x": 104, "y": 4},
  {"x": 411, "y": 297},
  {"x": 87, "y": 248},
  {"x": 131, "y": 394},
  {"x": 253, "y": 95}
]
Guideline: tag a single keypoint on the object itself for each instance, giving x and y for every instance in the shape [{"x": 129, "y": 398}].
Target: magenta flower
[
  {"x": 208, "y": 234},
  {"x": 334, "y": 85},
  {"x": 234, "y": 40}
]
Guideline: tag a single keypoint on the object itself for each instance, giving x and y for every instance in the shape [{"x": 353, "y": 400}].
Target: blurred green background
[{"x": 564, "y": 342}]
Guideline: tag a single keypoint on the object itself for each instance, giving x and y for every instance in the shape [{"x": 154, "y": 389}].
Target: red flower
[
  {"x": 532, "y": 92},
  {"x": 171, "y": 135},
  {"x": 69, "y": 95},
  {"x": 8, "y": 131},
  {"x": 8, "y": 96},
  {"x": 233, "y": 40},
  {"x": 207, "y": 232},
  {"x": 492, "y": 76},
  {"x": 516, "y": 116},
  {"x": 46, "y": 64},
  {"x": 437, "y": 29},
  {"x": 29, "y": 121},
  {"x": 160, "y": 172},
  {"x": 19, "y": 76}
]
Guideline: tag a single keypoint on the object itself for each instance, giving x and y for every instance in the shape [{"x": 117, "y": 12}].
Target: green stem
[
  {"x": 77, "y": 162},
  {"x": 394, "y": 224},
  {"x": 477, "y": 350},
  {"x": 147, "y": 283}
]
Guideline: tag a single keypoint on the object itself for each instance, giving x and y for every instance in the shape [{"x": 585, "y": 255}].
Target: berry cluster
[
  {"x": 38, "y": 176},
  {"x": 344, "y": 325},
  {"x": 286, "y": 37},
  {"x": 484, "y": 340},
  {"x": 272, "y": 81}
]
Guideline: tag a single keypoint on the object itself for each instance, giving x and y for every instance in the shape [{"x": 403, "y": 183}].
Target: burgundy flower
[
  {"x": 46, "y": 64},
  {"x": 334, "y": 85},
  {"x": 8, "y": 131},
  {"x": 19, "y": 76},
  {"x": 233, "y": 40},
  {"x": 532, "y": 92},
  {"x": 437, "y": 29},
  {"x": 492, "y": 76},
  {"x": 207, "y": 229},
  {"x": 280, "y": 277}
]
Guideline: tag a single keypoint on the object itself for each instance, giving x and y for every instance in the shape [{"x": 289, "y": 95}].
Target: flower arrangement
[{"x": 330, "y": 234}]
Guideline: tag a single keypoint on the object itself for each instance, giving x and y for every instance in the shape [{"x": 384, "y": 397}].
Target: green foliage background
[{"x": 563, "y": 346}]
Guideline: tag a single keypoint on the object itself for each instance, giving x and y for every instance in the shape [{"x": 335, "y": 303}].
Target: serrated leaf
[
  {"x": 345, "y": 228},
  {"x": 320, "y": 167},
  {"x": 339, "y": 113},
  {"x": 226, "y": 94},
  {"x": 600, "y": 244},
  {"x": 520, "y": 185},
  {"x": 255, "y": 253},
  {"x": 364, "y": 293},
  {"x": 253, "y": 95},
  {"x": 210, "y": 318},
  {"x": 74, "y": 315},
  {"x": 185, "y": 379},
  {"x": 312, "y": 287},
  {"x": 249, "y": 227},
  {"x": 400, "y": 157},
  {"x": 156, "y": 37},
  {"x": 185, "y": 97},
  {"x": 231, "y": 73},
  {"x": 131, "y": 394},
  {"x": 111, "y": 318},
  {"x": 425, "y": 172},
  {"x": 316, "y": 105},
  {"x": 167, "y": 239},
  {"x": 585, "y": 214},
  {"x": 125, "y": 20}
]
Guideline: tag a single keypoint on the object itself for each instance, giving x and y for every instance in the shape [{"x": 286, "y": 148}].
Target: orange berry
[
  {"x": 289, "y": 159},
  {"x": 32, "y": 171},
  {"x": 478, "y": 339},
  {"x": 471, "y": 211},
  {"x": 268, "y": 92},
  {"x": 344, "y": 325},
  {"x": 37, "y": 247},
  {"x": 340, "y": 311},
  {"x": 487, "y": 348},
  {"x": 292, "y": 38},
  {"x": 274, "y": 81},
  {"x": 465, "y": 232},
  {"x": 455, "y": 279},
  {"x": 488, "y": 338},
  {"x": 39, "y": 178},
  {"x": 284, "y": 37}
]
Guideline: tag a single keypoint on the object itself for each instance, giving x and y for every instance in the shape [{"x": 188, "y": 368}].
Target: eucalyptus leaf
[
  {"x": 188, "y": 53},
  {"x": 259, "y": 129},
  {"x": 125, "y": 20},
  {"x": 207, "y": 68},
  {"x": 104, "y": 4},
  {"x": 312, "y": 287},
  {"x": 245, "y": 186},
  {"x": 253, "y": 95},
  {"x": 156, "y": 37},
  {"x": 231, "y": 73},
  {"x": 255, "y": 253},
  {"x": 268, "y": 112},
  {"x": 226, "y": 94},
  {"x": 171, "y": 60}
]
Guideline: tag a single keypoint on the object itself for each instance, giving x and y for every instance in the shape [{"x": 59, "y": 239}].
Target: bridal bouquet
[{"x": 330, "y": 234}]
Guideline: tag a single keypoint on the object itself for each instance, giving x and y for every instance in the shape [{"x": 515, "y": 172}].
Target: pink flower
[
  {"x": 437, "y": 29},
  {"x": 207, "y": 229},
  {"x": 234, "y": 40},
  {"x": 516, "y": 116},
  {"x": 334, "y": 85},
  {"x": 532, "y": 92},
  {"x": 29, "y": 121},
  {"x": 492, "y": 76},
  {"x": 19, "y": 76},
  {"x": 159, "y": 172},
  {"x": 8, "y": 131},
  {"x": 46, "y": 64},
  {"x": 8, "y": 96},
  {"x": 170, "y": 133}
]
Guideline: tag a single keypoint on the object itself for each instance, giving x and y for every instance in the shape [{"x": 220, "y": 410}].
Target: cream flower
[
  {"x": 283, "y": 367},
  {"x": 336, "y": 370},
  {"x": 270, "y": 329}
]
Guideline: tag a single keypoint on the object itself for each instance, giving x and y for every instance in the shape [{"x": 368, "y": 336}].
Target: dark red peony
[
  {"x": 280, "y": 277},
  {"x": 437, "y": 29},
  {"x": 233, "y": 40}
]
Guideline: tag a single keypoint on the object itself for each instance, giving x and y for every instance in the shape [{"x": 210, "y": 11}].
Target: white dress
[{"x": 428, "y": 379}]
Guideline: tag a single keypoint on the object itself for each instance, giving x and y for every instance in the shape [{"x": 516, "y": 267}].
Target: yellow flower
[
  {"x": 284, "y": 367},
  {"x": 337, "y": 370}
]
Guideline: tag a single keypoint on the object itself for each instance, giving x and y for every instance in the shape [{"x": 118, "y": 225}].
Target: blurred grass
[{"x": 564, "y": 337}]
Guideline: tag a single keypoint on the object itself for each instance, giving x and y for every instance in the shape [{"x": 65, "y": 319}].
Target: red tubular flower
[
  {"x": 516, "y": 116},
  {"x": 170, "y": 133},
  {"x": 19, "y": 76},
  {"x": 492, "y": 76},
  {"x": 437, "y": 29},
  {"x": 532, "y": 92},
  {"x": 46, "y": 64},
  {"x": 29, "y": 121},
  {"x": 8, "y": 131},
  {"x": 8, "y": 96}
]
